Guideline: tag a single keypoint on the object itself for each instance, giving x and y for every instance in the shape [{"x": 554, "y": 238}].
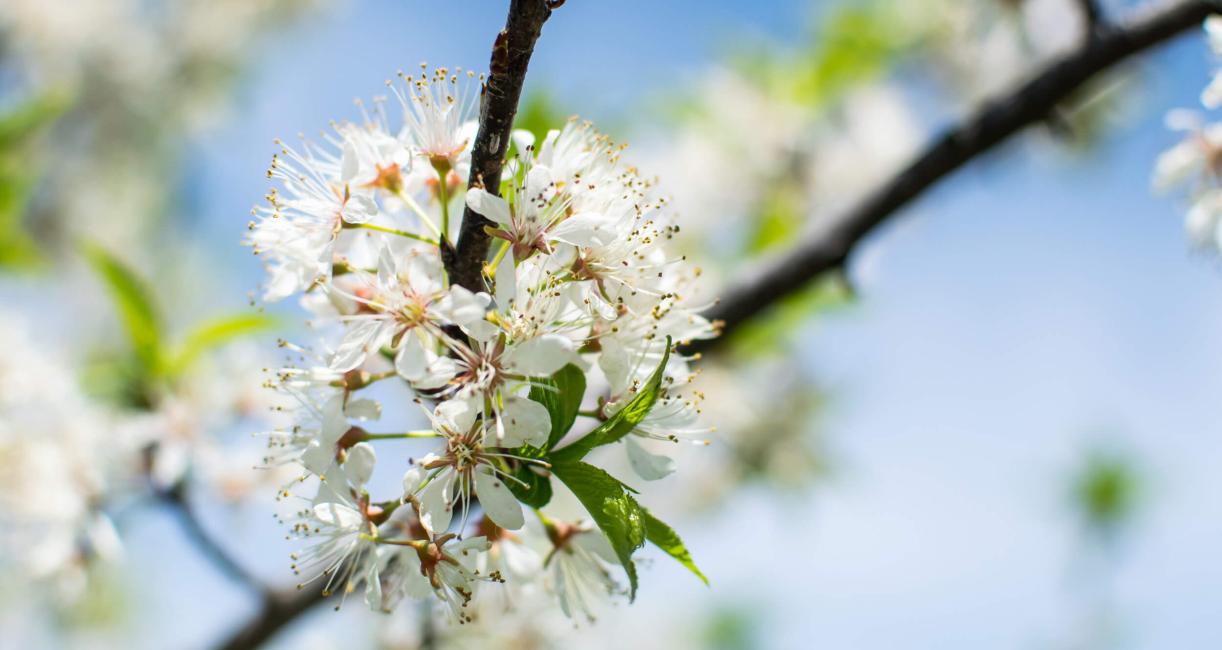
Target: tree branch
[
  {"x": 498, "y": 105},
  {"x": 833, "y": 240},
  {"x": 177, "y": 499},
  {"x": 1092, "y": 14},
  {"x": 278, "y": 611}
]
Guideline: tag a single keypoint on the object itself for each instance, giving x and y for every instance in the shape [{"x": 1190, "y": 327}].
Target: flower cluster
[
  {"x": 1195, "y": 163},
  {"x": 571, "y": 332}
]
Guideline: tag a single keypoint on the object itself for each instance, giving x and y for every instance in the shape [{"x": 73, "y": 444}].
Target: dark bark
[
  {"x": 177, "y": 499},
  {"x": 1092, "y": 13},
  {"x": 277, "y": 611},
  {"x": 511, "y": 53},
  {"x": 832, "y": 241}
]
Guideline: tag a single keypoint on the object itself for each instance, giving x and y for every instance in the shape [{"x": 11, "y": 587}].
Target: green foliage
[
  {"x": 624, "y": 420},
  {"x": 134, "y": 303},
  {"x": 561, "y": 394},
  {"x": 20, "y": 131},
  {"x": 538, "y": 114},
  {"x": 779, "y": 219},
  {"x": 856, "y": 43},
  {"x": 665, "y": 538},
  {"x": 133, "y": 379},
  {"x": 617, "y": 514},
  {"x": 1106, "y": 491},
  {"x": 105, "y": 606},
  {"x": 535, "y": 489},
  {"x": 732, "y": 628},
  {"x": 216, "y": 333},
  {"x": 608, "y": 500}
]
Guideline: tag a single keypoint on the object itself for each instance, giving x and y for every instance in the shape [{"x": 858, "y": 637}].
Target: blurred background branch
[
  {"x": 832, "y": 241},
  {"x": 177, "y": 499}
]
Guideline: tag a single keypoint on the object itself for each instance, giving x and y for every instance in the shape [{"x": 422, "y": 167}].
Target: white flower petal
[
  {"x": 596, "y": 543},
  {"x": 440, "y": 371},
  {"x": 462, "y": 306},
  {"x": 498, "y": 502},
  {"x": 359, "y": 463},
  {"x": 542, "y": 355},
  {"x": 338, "y": 515},
  {"x": 349, "y": 163},
  {"x": 585, "y": 229},
  {"x": 413, "y": 479},
  {"x": 411, "y": 361},
  {"x": 455, "y": 414},
  {"x": 318, "y": 458},
  {"x": 359, "y": 209},
  {"x": 492, "y": 208},
  {"x": 363, "y": 409},
  {"x": 523, "y": 139},
  {"x": 648, "y": 466},
  {"x": 525, "y": 422},
  {"x": 363, "y": 336},
  {"x": 437, "y": 502},
  {"x": 539, "y": 183}
]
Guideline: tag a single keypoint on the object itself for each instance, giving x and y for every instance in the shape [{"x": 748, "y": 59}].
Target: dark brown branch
[
  {"x": 179, "y": 502},
  {"x": 278, "y": 610},
  {"x": 832, "y": 241},
  {"x": 1092, "y": 14},
  {"x": 498, "y": 106}
]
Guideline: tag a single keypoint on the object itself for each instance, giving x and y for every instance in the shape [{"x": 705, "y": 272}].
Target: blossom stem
[
  {"x": 443, "y": 194},
  {"x": 415, "y": 207},
  {"x": 414, "y": 543},
  {"x": 496, "y": 261},
  {"x": 392, "y": 231},
  {"x": 401, "y": 435}
]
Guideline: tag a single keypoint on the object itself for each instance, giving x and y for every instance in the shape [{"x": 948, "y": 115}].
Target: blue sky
[{"x": 1035, "y": 304}]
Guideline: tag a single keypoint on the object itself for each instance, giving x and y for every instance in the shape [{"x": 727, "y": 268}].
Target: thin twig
[
  {"x": 833, "y": 240},
  {"x": 498, "y": 105}
]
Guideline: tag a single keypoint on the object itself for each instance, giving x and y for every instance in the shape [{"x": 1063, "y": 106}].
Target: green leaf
[
  {"x": 134, "y": 303},
  {"x": 21, "y": 129},
  {"x": 216, "y": 333},
  {"x": 665, "y": 538},
  {"x": 617, "y": 514},
  {"x": 624, "y": 420},
  {"x": 20, "y": 124},
  {"x": 537, "y": 491},
  {"x": 562, "y": 398}
]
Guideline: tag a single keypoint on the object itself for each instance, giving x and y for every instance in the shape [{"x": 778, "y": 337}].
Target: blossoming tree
[{"x": 526, "y": 294}]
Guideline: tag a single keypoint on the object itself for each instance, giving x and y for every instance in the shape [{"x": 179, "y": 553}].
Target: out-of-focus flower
[
  {"x": 137, "y": 76},
  {"x": 1211, "y": 97},
  {"x": 58, "y": 458},
  {"x": 1194, "y": 165}
]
